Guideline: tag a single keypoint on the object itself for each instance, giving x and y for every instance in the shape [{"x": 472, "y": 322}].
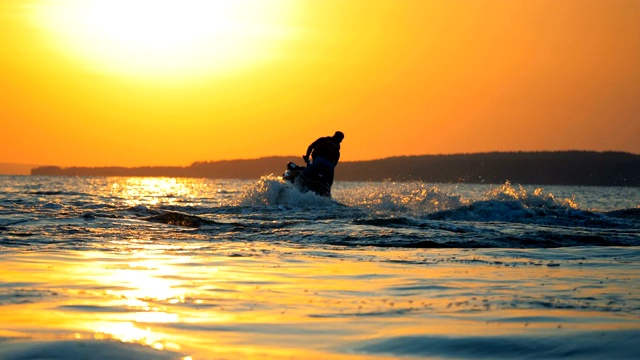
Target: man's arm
[{"x": 309, "y": 150}]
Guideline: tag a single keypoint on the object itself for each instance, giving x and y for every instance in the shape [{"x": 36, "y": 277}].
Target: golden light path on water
[
  {"x": 225, "y": 305},
  {"x": 153, "y": 191}
]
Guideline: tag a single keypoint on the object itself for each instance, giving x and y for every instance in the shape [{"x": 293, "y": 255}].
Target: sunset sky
[{"x": 170, "y": 82}]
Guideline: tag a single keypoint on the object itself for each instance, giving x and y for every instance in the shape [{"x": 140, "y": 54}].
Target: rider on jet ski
[{"x": 325, "y": 153}]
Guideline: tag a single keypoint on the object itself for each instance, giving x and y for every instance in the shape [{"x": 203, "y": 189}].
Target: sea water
[{"x": 172, "y": 268}]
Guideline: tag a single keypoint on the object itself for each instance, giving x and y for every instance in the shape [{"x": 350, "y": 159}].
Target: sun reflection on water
[
  {"x": 127, "y": 332},
  {"x": 145, "y": 284},
  {"x": 151, "y": 191},
  {"x": 286, "y": 305},
  {"x": 141, "y": 287}
]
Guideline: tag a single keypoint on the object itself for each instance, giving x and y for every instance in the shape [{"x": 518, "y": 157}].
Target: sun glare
[{"x": 167, "y": 37}]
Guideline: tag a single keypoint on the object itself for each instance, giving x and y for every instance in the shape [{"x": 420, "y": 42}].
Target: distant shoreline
[{"x": 535, "y": 168}]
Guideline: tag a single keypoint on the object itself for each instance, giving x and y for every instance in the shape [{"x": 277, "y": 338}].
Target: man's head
[{"x": 338, "y": 136}]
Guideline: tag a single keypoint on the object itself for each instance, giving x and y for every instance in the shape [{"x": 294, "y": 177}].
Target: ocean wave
[
  {"x": 633, "y": 214},
  {"x": 387, "y": 214},
  {"x": 179, "y": 219},
  {"x": 58, "y": 193},
  {"x": 80, "y": 349},
  {"x": 519, "y": 211},
  {"x": 558, "y": 345}
]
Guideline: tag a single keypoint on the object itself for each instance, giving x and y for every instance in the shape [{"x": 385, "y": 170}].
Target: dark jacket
[{"x": 325, "y": 147}]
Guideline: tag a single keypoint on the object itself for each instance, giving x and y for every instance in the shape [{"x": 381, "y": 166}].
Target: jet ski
[{"x": 314, "y": 180}]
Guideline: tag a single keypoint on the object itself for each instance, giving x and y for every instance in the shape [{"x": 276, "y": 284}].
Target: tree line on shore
[{"x": 540, "y": 168}]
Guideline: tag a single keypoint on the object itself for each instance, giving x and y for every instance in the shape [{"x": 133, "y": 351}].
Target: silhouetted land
[{"x": 540, "y": 168}]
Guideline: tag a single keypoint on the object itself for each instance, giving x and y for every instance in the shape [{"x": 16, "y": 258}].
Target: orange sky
[{"x": 172, "y": 82}]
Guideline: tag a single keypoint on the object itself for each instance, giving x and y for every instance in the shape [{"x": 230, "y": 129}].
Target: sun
[{"x": 168, "y": 37}]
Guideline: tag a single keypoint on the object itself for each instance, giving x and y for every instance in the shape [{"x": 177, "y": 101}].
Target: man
[
  {"x": 325, "y": 148},
  {"x": 325, "y": 154}
]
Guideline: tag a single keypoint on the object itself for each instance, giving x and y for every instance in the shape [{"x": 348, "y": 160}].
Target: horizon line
[{"x": 8, "y": 168}]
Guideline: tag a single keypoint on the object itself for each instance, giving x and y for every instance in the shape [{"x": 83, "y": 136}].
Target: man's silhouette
[{"x": 325, "y": 154}]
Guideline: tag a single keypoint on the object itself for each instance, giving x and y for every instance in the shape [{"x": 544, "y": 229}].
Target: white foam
[
  {"x": 273, "y": 191},
  {"x": 535, "y": 198},
  {"x": 405, "y": 197}
]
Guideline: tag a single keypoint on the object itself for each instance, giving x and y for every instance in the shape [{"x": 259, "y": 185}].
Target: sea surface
[{"x": 176, "y": 268}]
